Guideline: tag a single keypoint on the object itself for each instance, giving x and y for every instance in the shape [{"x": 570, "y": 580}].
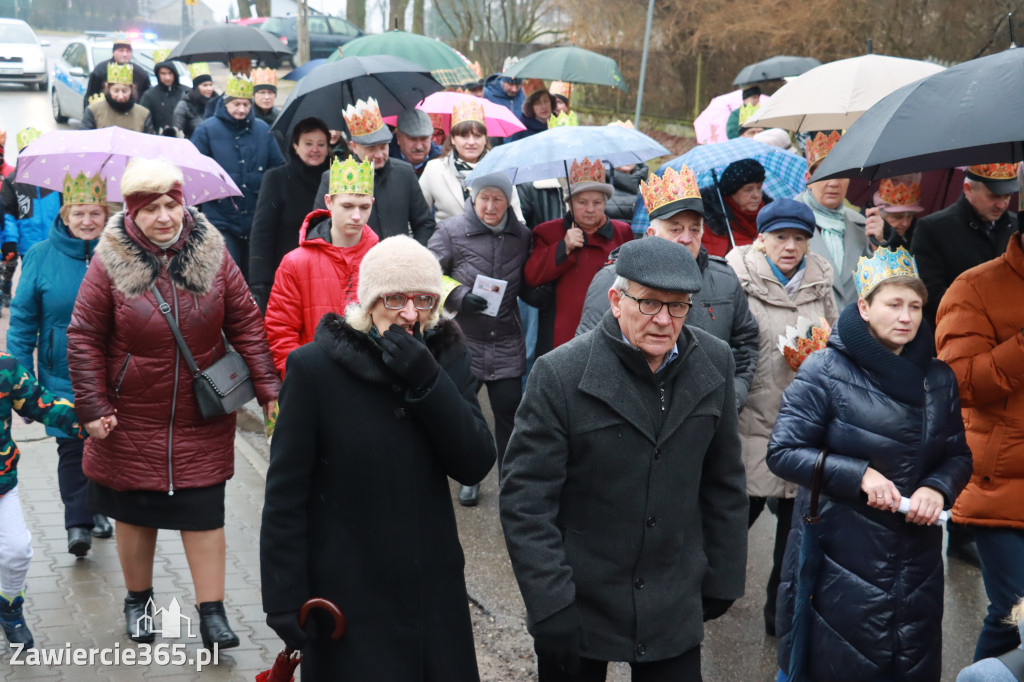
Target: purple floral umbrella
[{"x": 107, "y": 151}]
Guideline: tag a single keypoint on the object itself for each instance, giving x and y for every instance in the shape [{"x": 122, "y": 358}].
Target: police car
[{"x": 71, "y": 70}]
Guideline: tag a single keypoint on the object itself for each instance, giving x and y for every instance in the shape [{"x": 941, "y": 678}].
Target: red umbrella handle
[{"x": 329, "y": 607}]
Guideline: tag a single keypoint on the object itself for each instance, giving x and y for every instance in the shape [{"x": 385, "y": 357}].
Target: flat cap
[
  {"x": 660, "y": 264},
  {"x": 415, "y": 123}
]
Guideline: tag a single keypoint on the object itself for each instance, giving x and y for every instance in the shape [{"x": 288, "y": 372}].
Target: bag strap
[
  {"x": 819, "y": 473},
  {"x": 1014, "y": 660},
  {"x": 166, "y": 310}
]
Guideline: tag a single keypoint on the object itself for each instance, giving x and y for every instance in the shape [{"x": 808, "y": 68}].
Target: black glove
[
  {"x": 9, "y": 250},
  {"x": 286, "y": 625},
  {"x": 560, "y": 638},
  {"x": 715, "y": 608},
  {"x": 473, "y": 303},
  {"x": 408, "y": 357}
]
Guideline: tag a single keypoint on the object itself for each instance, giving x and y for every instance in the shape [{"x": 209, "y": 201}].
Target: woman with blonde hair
[
  {"x": 1008, "y": 667},
  {"x": 158, "y": 463}
]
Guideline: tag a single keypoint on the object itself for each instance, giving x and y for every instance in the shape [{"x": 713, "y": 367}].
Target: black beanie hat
[
  {"x": 751, "y": 91},
  {"x": 739, "y": 173}
]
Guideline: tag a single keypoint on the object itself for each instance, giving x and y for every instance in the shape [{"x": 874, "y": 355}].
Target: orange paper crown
[
  {"x": 264, "y": 77},
  {"x": 240, "y": 65},
  {"x": 896, "y": 194},
  {"x": 672, "y": 186},
  {"x": 467, "y": 110},
  {"x": 437, "y": 120},
  {"x": 363, "y": 118},
  {"x": 820, "y": 146},
  {"x": 561, "y": 88},
  {"x": 586, "y": 171},
  {"x": 995, "y": 171}
]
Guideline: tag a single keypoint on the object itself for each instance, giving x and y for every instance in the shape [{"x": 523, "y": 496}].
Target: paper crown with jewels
[
  {"x": 1000, "y": 178},
  {"x": 563, "y": 119},
  {"x": 198, "y": 69},
  {"x": 27, "y": 136},
  {"x": 365, "y": 124},
  {"x": 96, "y": 97},
  {"x": 240, "y": 65},
  {"x": 84, "y": 190},
  {"x": 349, "y": 177},
  {"x": 622, "y": 124},
  {"x": 265, "y": 77},
  {"x": 882, "y": 265},
  {"x": 747, "y": 112},
  {"x": 900, "y": 194},
  {"x": 671, "y": 193},
  {"x": 820, "y": 145},
  {"x": 467, "y": 110},
  {"x": 160, "y": 55},
  {"x": 561, "y": 88},
  {"x": 586, "y": 171},
  {"x": 239, "y": 86},
  {"x": 119, "y": 73}
]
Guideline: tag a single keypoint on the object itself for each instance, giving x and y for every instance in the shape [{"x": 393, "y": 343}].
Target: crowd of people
[{"x": 644, "y": 414}]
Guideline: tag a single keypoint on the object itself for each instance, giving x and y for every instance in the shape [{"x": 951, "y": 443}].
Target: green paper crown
[
  {"x": 83, "y": 190},
  {"x": 351, "y": 177},
  {"x": 239, "y": 86},
  {"x": 883, "y": 264},
  {"x": 27, "y": 136},
  {"x": 198, "y": 69},
  {"x": 160, "y": 55},
  {"x": 563, "y": 119},
  {"x": 119, "y": 73}
]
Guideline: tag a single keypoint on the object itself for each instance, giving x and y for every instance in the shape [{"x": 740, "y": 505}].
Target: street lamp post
[{"x": 643, "y": 64}]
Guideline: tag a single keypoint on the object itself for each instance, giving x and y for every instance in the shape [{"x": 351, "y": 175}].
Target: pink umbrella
[
  {"x": 710, "y": 125},
  {"x": 499, "y": 120},
  {"x": 107, "y": 151}
]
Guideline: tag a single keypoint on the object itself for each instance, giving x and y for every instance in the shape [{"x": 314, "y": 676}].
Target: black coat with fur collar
[{"x": 358, "y": 507}]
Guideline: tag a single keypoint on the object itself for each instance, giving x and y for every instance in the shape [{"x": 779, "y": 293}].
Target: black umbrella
[
  {"x": 397, "y": 84},
  {"x": 223, "y": 42},
  {"x": 775, "y": 68}
]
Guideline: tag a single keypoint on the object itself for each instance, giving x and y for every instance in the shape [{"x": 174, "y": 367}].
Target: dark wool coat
[
  {"x": 623, "y": 491},
  {"x": 388, "y": 555},
  {"x": 122, "y": 355},
  {"x": 877, "y": 603},
  {"x": 626, "y": 188},
  {"x": 467, "y": 248},
  {"x": 188, "y": 113},
  {"x": 162, "y": 100}
]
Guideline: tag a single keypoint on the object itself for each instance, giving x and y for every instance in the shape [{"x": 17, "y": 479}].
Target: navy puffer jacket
[{"x": 877, "y": 606}]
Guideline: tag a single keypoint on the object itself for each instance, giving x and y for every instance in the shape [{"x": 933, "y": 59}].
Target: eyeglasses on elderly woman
[{"x": 419, "y": 301}]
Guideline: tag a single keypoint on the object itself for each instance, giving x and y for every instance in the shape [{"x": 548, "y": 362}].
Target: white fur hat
[{"x": 397, "y": 264}]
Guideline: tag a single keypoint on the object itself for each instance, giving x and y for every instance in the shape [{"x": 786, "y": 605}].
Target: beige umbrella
[{"x": 834, "y": 95}]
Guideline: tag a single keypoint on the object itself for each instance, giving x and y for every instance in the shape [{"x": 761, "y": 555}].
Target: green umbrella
[
  {"x": 446, "y": 65},
  {"x": 569, "y": 64}
]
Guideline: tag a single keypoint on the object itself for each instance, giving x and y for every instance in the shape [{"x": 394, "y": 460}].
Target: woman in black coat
[
  {"x": 286, "y": 195},
  {"x": 888, "y": 414},
  {"x": 371, "y": 400}
]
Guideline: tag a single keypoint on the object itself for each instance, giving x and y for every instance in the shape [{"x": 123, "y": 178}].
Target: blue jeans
[
  {"x": 1002, "y": 555},
  {"x": 529, "y": 316}
]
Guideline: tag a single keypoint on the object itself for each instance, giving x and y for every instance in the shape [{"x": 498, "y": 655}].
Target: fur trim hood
[{"x": 134, "y": 264}]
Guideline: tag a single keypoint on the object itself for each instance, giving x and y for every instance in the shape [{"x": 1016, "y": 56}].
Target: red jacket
[
  {"x": 571, "y": 273},
  {"x": 315, "y": 279},
  {"x": 122, "y": 356}
]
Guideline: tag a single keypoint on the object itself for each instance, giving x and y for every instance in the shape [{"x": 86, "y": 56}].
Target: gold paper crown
[
  {"x": 121, "y": 38},
  {"x": 672, "y": 186},
  {"x": 561, "y": 88},
  {"x": 883, "y": 264},
  {"x": 240, "y": 65},
  {"x": 747, "y": 111},
  {"x": 896, "y": 194},
  {"x": 563, "y": 119},
  {"x": 819, "y": 147},
  {"x": 363, "y": 118},
  {"x": 264, "y": 77},
  {"x": 994, "y": 171},
  {"x": 239, "y": 86},
  {"x": 351, "y": 177},
  {"x": 84, "y": 190},
  {"x": 586, "y": 171},
  {"x": 467, "y": 110},
  {"x": 96, "y": 97},
  {"x": 119, "y": 73},
  {"x": 622, "y": 124},
  {"x": 436, "y": 120},
  {"x": 160, "y": 55},
  {"x": 27, "y": 136},
  {"x": 198, "y": 69}
]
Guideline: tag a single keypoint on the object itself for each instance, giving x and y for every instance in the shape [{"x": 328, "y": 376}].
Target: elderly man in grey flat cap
[
  {"x": 413, "y": 140},
  {"x": 623, "y": 499}
]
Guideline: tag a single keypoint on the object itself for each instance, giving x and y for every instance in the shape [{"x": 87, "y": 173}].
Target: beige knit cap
[{"x": 396, "y": 265}]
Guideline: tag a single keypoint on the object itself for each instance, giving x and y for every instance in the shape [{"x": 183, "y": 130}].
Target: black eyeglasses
[
  {"x": 652, "y": 306},
  {"x": 419, "y": 301}
]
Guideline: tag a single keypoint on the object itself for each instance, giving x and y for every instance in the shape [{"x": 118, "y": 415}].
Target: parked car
[
  {"x": 71, "y": 70},
  {"x": 326, "y": 34},
  {"x": 21, "y": 55}
]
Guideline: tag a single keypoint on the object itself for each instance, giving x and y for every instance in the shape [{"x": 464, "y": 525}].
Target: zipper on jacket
[
  {"x": 120, "y": 375},
  {"x": 49, "y": 352},
  {"x": 711, "y": 312},
  {"x": 174, "y": 402}
]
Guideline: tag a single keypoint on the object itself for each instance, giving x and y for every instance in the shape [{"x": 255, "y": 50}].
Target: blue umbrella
[
  {"x": 297, "y": 74},
  {"x": 548, "y": 154}
]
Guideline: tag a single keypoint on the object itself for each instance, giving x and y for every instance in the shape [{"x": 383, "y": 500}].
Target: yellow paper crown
[
  {"x": 467, "y": 110},
  {"x": 239, "y": 86},
  {"x": 363, "y": 118},
  {"x": 820, "y": 146},
  {"x": 119, "y": 73},
  {"x": 160, "y": 54},
  {"x": 27, "y": 136},
  {"x": 96, "y": 97},
  {"x": 198, "y": 69},
  {"x": 747, "y": 111},
  {"x": 351, "y": 177},
  {"x": 586, "y": 171},
  {"x": 563, "y": 119},
  {"x": 561, "y": 88},
  {"x": 994, "y": 171},
  {"x": 240, "y": 65},
  {"x": 84, "y": 190},
  {"x": 670, "y": 187},
  {"x": 264, "y": 77},
  {"x": 883, "y": 264}
]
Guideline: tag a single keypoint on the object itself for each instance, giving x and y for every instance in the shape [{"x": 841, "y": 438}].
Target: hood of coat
[
  {"x": 758, "y": 280},
  {"x": 359, "y": 354},
  {"x": 221, "y": 112},
  {"x": 176, "y": 86},
  {"x": 134, "y": 263},
  {"x": 494, "y": 92},
  {"x": 70, "y": 245}
]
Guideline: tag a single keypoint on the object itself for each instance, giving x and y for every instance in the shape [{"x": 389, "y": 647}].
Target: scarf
[
  {"x": 746, "y": 221},
  {"x": 790, "y": 284},
  {"x": 462, "y": 168},
  {"x": 832, "y": 224},
  {"x": 899, "y": 376}
]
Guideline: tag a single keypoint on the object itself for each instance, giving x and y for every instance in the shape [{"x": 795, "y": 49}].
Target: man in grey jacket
[
  {"x": 623, "y": 498},
  {"x": 720, "y": 308}
]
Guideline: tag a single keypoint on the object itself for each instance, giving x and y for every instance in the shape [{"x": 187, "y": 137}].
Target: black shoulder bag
[{"x": 223, "y": 387}]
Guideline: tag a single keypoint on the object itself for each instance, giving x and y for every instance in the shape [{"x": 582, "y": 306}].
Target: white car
[{"x": 21, "y": 55}]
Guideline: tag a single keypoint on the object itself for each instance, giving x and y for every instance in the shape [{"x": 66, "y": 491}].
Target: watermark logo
[{"x": 170, "y": 620}]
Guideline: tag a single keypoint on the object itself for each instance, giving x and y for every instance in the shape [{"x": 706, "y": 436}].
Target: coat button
[
  {"x": 651, "y": 521},
  {"x": 492, "y": 333},
  {"x": 639, "y": 582},
  {"x": 657, "y": 453},
  {"x": 641, "y": 650}
]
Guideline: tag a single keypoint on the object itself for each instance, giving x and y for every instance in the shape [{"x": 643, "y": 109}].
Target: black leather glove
[
  {"x": 408, "y": 356},
  {"x": 715, "y": 608},
  {"x": 560, "y": 638},
  {"x": 9, "y": 250},
  {"x": 473, "y": 303},
  {"x": 286, "y": 625}
]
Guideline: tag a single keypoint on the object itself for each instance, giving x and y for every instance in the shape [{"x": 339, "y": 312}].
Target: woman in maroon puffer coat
[{"x": 153, "y": 461}]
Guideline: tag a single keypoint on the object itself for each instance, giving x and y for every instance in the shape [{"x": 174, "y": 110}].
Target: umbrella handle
[
  {"x": 725, "y": 211},
  {"x": 819, "y": 473},
  {"x": 329, "y": 607}
]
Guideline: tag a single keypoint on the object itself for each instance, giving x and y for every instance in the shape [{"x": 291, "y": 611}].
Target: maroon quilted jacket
[{"x": 123, "y": 357}]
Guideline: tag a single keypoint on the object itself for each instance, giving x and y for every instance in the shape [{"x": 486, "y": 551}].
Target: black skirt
[{"x": 186, "y": 509}]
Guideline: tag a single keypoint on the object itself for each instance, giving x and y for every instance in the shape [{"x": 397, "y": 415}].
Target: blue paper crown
[{"x": 884, "y": 264}]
